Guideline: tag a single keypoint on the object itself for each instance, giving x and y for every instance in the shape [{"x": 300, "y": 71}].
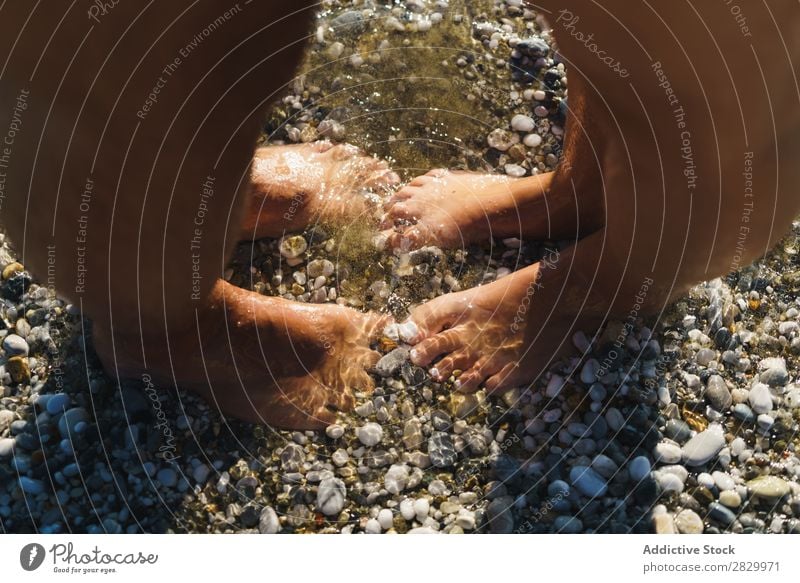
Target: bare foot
[
  {"x": 295, "y": 186},
  {"x": 491, "y": 333},
  {"x": 453, "y": 209},
  {"x": 264, "y": 360}
]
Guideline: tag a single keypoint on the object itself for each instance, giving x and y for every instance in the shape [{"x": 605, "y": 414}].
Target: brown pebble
[
  {"x": 17, "y": 367},
  {"x": 12, "y": 269}
]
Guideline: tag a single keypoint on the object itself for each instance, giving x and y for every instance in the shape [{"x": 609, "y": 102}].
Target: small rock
[
  {"x": 19, "y": 369},
  {"x": 717, "y": 393},
  {"x": 567, "y": 525},
  {"x": 408, "y": 331},
  {"x": 293, "y": 247},
  {"x": 522, "y": 123},
  {"x": 331, "y": 496},
  {"x": 396, "y": 479},
  {"x": 678, "y": 430},
  {"x": 502, "y": 140},
  {"x": 773, "y": 373},
  {"x": 441, "y": 450},
  {"x": 721, "y": 514},
  {"x": 167, "y": 477},
  {"x": 15, "y": 345},
  {"x": 70, "y": 418},
  {"x": 370, "y": 434},
  {"x": 730, "y": 498},
  {"x": 7, "y": 446},
  {"x": 639, "y": 468},
  {"x": 268, "y": 522},
  {"x": 664, "y": 524},
  {"x": 58, "y": 404},
  {"x": 421, "y": 509},
  {"x": 31, "y": 486},
  {"x": 532, "y": 140},
  {"x": 391, "y": 363},
  {"x": 760, "y": 398},
  {"x": 412, "y": 434},
  {"x": 385, "y": 518},
  {"x": 587, "y": 481},
  {"x": 334, "y": 431},
  {"x": 201, "y": 473},
  {"x": 604, "y": 466},
  {"x": 669, "y": 483},
  {"x": 689, "y": 522},
  {"x": 744, "y": 413},
  {"x": 498, "y": 513},
  {"x": 667, "y": 453},
  {"x": 769, "y": 488},
  {"x": 704, "y": 446}
]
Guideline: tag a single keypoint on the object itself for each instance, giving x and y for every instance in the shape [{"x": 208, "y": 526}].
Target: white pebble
[
  {"x": 532, "y": 140},
  {"x": 522, "y": 123}
]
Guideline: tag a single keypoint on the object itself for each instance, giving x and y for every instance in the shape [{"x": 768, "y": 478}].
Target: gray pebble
[
  {"x": 717, "y": 393},
  {"x": 15, "y": 345},
  {"x": 441, "y": 450},
  {"x": 268, "y": 522},
  {"x": 704, "y": 446},
  {"x": 331, "y": 496}
]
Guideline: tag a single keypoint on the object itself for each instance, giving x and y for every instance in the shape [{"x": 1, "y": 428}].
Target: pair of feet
[
  {"x": 296, "y": 365},
  {"x": 484, "y": 332}
]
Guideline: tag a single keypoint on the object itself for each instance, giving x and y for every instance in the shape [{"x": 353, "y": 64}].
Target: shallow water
[{"x": 409, "y": 102}]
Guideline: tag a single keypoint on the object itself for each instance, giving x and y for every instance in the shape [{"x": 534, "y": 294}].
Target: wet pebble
[
  {"x": 689, "y": 522},
  {"x": 498, "y": 513},
  {"x": 760, "y": 398},
  {"x": 587, "y": 481},
  {"x": 667, "y": 453},
  {"x": 14, "y": 345},
  {"x": 721, "y": 514},
  {"x": 717, "y": 393},
  {"x": 769, "y": 488},
  {"x": 639, "y": 468},
  {"x": 441, "y": 450},
  {"x": 704, "y": 446},
  {"x": 331, "y": 496},
  {"x": 268, "y": 522},
  {"x": 370, "y": 434}
]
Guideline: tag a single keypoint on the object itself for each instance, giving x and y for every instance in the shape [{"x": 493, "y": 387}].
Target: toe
[
  {"x": 420, "y": 181},
  {"x": 428, "y": 350},
  {"x": 343, "y": 152},
  {"x": 470, "y": 381},
  {"x": 408, "y": 238},
  {"x": 459, "y": 360},
  {"x": 403, "y": 194},
  {"x": 401, "y": 211},
  {"x": 321, "y": 146},
  {"x": 431, "y": 318},
  {"x": 438, "y": 173},
  {"x": 505, "y": 379}
]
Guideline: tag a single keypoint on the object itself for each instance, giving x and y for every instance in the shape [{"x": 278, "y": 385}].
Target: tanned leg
[{"x": 133, "y": 162}]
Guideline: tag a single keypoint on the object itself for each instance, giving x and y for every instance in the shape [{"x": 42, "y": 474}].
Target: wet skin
[
  {"x": 663, "y": 226},
  {"x": 157, "y": 304}
]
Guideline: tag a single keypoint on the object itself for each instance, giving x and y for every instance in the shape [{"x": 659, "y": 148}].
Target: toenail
[{"x": 434, "y": 372}]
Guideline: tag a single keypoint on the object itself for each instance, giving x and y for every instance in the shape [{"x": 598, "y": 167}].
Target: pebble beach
[{"x": 682, "y": 423}]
